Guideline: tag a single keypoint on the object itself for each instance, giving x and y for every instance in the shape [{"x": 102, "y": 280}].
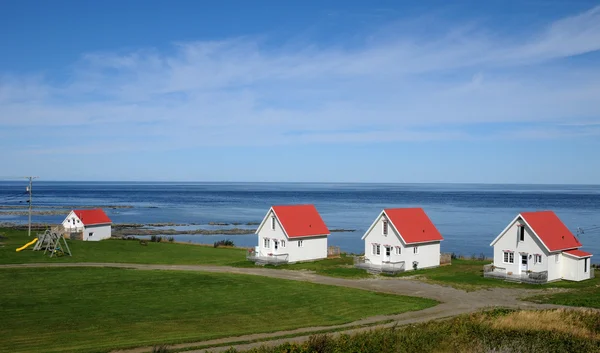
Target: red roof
[
  {"x": 413, "y": 224},
  {"x": 551, "y": 230},
  {"x": 91, "y": 217},
  {"x": 578, "y": 253},
  {"x": 300, "y": 220}
]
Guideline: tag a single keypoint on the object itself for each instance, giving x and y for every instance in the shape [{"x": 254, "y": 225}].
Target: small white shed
[{"x": 93, "y": 224}]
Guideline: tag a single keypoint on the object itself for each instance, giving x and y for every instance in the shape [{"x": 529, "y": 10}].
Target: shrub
[
  {"x": 481, "y": 257},
  {"x": 171, "y": 239},
  {"x": 225, "y": 242},
  {"x": 160, "y": 349},
  {"x": 156, "y": 238},
  {"x": 454, "y": 256}
]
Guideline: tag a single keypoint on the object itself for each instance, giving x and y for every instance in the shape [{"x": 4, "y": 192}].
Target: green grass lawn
[
  {"x": 126, "y": 251},
  {"x": 98, "y": 309},
  {"x": 335, "y": 267},
  {"x": 468, "y": 275},
  {"x": 587, "y": 297}
]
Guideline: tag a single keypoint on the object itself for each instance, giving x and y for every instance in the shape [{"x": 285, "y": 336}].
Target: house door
[
  {"x": 387, "y": 254},
  {"x": 276, "y": 245},
  {"x": 524, "y": 263}
]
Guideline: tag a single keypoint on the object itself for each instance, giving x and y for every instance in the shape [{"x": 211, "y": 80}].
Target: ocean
[{"x": 469, "y": 216}]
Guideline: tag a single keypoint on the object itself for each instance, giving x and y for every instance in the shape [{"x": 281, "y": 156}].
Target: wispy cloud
[{"x": 241, "y": 91}]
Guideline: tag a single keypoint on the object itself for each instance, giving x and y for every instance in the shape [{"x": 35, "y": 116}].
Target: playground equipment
[
  {"x": 53, "y": 242},
  {"x": 26, "y": 245}
]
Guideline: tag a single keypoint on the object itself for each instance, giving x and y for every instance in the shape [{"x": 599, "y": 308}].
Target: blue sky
[{"x": 365, "y": 91}]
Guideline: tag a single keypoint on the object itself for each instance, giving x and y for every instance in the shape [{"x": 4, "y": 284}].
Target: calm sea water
[{"x": 469, "y": 216}]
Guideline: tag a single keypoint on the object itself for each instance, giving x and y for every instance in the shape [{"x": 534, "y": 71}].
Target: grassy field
[
  {"x": 462, "y": 274},
  {"x": 97, "y": 309},
  {"x": 585, "y": 297},
  {"x": 495, "y": 331},
  {"x": 126, "y": 251},
  {"x": 335, "y": 267}
]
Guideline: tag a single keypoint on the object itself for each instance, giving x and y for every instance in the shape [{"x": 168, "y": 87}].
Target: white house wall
[
  {"x": 73, "y": 223},
  {"x": 428, "y": 254},
  {"x": 313, "y": 248},
  {"x": 96, "y": 232},
  {"x": 531, "y": 245},
  {"x": 555, "y": 271},
  {"x": 573, "y": 268}
]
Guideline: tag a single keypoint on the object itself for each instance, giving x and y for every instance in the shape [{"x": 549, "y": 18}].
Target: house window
[
  {"x": 90, "y": 234},
  {"x": 557, "y": 258},
  {"x": 416, "y": 250},
  {"x": 538, "y": 258},
  {"x": 283, "y": 243},
  {"x": 300, "y": 243},
  {"x": 273, "y": 223},
  {"x": 388, "y": 250},
  {"x": 521, "y": 230},
  {"x": 267, "y": 242},
  {"x": 376, "y": 249},
  {"x": 398, "y": 250},
  {"x": 385, "y": 228},
  {"x": 585, "y": 265},
  {"x": 509, "y": 257}
]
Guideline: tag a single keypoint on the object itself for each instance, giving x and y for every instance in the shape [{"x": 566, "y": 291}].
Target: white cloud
[{"x": 242, "y": 92}]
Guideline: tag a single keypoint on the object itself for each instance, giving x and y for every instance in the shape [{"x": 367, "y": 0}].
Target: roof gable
[
  {"x": 91, "y": 217},
  {"x": 548, "y": 228},
  {"x": 551, "y": 230},
  {"x": 299, "y": 220},
  {"x": 412, "y": 224}
]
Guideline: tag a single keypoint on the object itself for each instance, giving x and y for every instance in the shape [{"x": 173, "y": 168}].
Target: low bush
[
  {"x": 225, "y": 242},
  {"x": 171, "y": 239},
  {"x": 160, "y": 349},
  {"x": 156, "y": 239}
]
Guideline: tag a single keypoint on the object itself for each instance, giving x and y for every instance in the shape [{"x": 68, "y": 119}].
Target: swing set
[{"x": 52, "y": 242}]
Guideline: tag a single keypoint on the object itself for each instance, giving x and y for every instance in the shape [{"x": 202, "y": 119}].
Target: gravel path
[{"x": 453, "y": 301}]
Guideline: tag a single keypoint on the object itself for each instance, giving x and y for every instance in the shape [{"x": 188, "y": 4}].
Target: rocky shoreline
[{"x": 139, "y": 229}]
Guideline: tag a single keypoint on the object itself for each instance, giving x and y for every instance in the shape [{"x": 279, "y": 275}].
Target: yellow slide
[{"x": 28, "y": 244}]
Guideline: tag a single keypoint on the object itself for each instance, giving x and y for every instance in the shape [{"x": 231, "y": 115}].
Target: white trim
[
  {"x": 530, "y": 227},
  {"x": 396, "y": 230},
  {"x": 283, "y": 228},
  {"x": 508, "y": 257},
  {"x": 372, "y": 225},
  {"x": 505, "y": 230},
  {"x": 265, "y": 220}
]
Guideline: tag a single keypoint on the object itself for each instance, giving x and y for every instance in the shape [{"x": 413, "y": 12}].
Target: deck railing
[
  {"x": 259, "y": 258},
  {"x": 492, "y": 271},
  {"x": 385, "y": 267}
]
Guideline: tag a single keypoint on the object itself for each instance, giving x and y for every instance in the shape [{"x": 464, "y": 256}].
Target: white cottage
[
  {"x": 90, "y": 225},
  {"x": 538, "y": 247},
  {"x": 401, "y": 239},
  {"x": 291, "y": 233}
]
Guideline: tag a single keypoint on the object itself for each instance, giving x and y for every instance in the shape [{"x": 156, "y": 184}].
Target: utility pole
[{"x": 29, "y": 191}]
